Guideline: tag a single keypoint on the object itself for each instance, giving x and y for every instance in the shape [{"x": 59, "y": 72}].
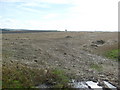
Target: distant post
[{"x": 65, "y": 30}]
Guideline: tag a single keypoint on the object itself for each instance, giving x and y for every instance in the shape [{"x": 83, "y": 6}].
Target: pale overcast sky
[{"x": 73, "y": 15}]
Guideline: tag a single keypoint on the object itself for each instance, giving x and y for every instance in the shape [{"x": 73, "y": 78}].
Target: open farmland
[{"x": 81, "y": 55}]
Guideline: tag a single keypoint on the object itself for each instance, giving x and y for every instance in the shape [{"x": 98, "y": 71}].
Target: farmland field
[{"x": 61, "y": 56}]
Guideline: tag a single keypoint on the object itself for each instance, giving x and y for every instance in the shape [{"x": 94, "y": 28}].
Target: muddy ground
[{"x": 80, "y": 54}]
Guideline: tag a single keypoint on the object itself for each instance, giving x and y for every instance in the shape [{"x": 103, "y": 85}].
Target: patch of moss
[{"x": 113, "y": 54}]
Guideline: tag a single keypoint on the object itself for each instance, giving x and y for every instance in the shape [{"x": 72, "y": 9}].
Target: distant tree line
[{"x": 25, "y": 31}]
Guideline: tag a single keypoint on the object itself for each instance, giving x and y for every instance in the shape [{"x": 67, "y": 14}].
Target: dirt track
[{"x": 75, "y": 52}]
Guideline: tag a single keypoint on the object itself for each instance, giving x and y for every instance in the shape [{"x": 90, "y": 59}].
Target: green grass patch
[
  {"x": 113, "y": 54},
  {"x": 96, "y": 67},
  {"x": 20, "y": 76}
]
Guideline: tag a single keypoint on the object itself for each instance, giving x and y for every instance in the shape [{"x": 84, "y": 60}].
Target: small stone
[
  {"x": 102, "y": 75},
  {"x": 85, "y": 45},
  {"x": 35, "y": 61},
  {"x": 94, "y": 45},
  {"x": 65, "y": 67},
  {"x": 23, "y": 58},
  {"x": 16, "y": 66},
  {"x": 59, "y": 64},
  {"x": 68, "y": 37},
  {"x": 36, "y": 50},
  {"x": 45, "y": 71},
  {"x": 34, "y": 57},
  {"x": 99, "y": 42},
  {"x": 74, "y": 65},
  {"x": 95, "y": 80},
  {"x": 100, "y": 84},
  {"x": 65, "y": 53},
  {"x": 11, "y": 61},
  {"x": 68, "y": 68},
  {"x": 21, "y": 42}
]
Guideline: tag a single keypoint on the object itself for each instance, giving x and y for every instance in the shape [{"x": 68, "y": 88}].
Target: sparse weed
[{"x": 96, "y": 67}]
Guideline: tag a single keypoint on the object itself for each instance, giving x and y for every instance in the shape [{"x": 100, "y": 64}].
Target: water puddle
[
  {"x": 110, "y": 85},
  {"x": 90, "y": 85},
  {"x": 86, "y": 85},
  {"x": 93, "y": 85}
]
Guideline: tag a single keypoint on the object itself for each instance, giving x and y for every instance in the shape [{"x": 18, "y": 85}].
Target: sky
[{"x": 73, "y": 15}]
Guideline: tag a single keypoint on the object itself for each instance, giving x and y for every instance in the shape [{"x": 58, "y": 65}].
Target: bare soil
[{"x": 75, "y": 52}]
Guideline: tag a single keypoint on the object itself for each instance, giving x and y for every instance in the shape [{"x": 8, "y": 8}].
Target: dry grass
[{"x": 20, "y": 76}]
